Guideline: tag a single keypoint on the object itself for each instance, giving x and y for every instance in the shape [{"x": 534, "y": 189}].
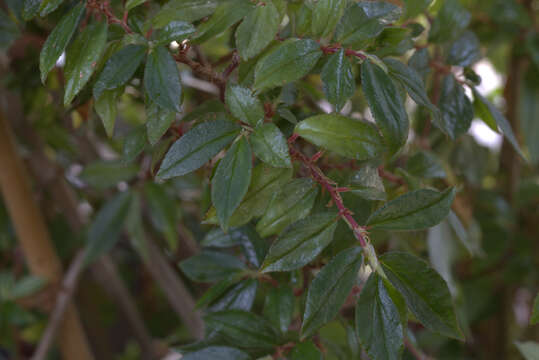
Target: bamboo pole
[{"x": 33, "y": 236}]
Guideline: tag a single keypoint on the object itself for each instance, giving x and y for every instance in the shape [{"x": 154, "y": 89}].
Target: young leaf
[
  {"x": 455, "y": 107},
  {"x": 119, "y": 68},
  {"x": 217, "y": 353},
  {"x": 240, "y": 297},
  {"x": 424, "y": 291},
  {"x": 162, "y": 79},
  {"x": 367, "y": 184},
  {"x": 326, "y": 14},
  {"x": 81, "y": 58},
  {"x": 338, "y": 79},
  {"x": 58, "y": 39},
  {"x": 386, "y": 105},
  {"x": 465, "y": 50},
  {"x": 293, "y": 202},
  {"x": 244, "y": 105},
  {"x": 210, "y": 266},
  {"x": 301, "y": 243},
  {"x": 305, "y": 351},
  {"x": 279, "y": 307},
  {"x": 245, "y": 329},
  {"x": 329, "y": 290},
  {"x": 289, "y": 61},
  {"x": 197, "y": 146},
  {"x": 257, "y": 30},
  {"x": 183, "y": 10},
  {"x": 158, "y": 121},
  {"x": 226, "y": 15},
  {"x": 378, "y": 323},
  {"x": 449, "y": 22},
  {"x": 350, "y": 138},
  {"x": 231, "y": 180},
  {"x": 415, "y": 210},
  {"x": 269, "y": 145},
  {"x": 174, "y": 31}
]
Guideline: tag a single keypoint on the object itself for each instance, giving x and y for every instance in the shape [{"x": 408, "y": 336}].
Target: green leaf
[
  {"x": 386, "y": 105},
  {"x": 378, "y": 323},
  {"x": 326, "y": 14},
  {"x": 119, "y": 68},
  {"x": 105, "y": 230},
  {"x": 415, "y": 7},
  {"x": 426, "y": 165},
  {"x": 134, "y": 143},
  {"x": 210, "y": 266},
  {"x": 48, "y": 6},
  {"x": 257, "y": 30},
  {"x": 158, "y": 121},
  {"x": 58, "y": 39},
  {"x": 424, "y": 291},
  {"x": 338, "y": 79},
  {"x": 197, "y": 146},
  {"x": 269, "y": 145},
  {"x": 350, "y": 138},
  {"x": 217, "y": 353},
  {"x": 364, "y": 20},
  {"x": 226, "y": 15},
  {"x": 26, "y": 286},
  {"x": 30, "y": 9},
  {"x": 455, "y": 107},
  {"x": 534, "y": 319},
  {"x": 163, "y": 212},
  {"x": 464, "y": 51},
  {"x": 415, "y": 210},
  {"x": 240, "y": 297},
  {"x": 231, "y": 180},
  {"x": 528, "y": 349},
  {"x": 82, "y": 57},
  {"x": 279, "y": 307},
  {"x": 449, "y": 22},
  {"x": 491, "y": 115},
  {"x": 106, "y": 107},
  {"x": 174, "y": 31},
  {"x": 367, "y": 184},
  {"x": 300, "y": 243},
  {"x": 293, "y": 202},
  {"x": 244, "y": 105},
  {"x": 183, "y": 10},
  {"x": 104, "y": 174},
  {"x": 221, "y": 239},
  {"x": 287, "y": 62},
  {"x": 329, "y": 290},
  {"x": 305, "y": 351},
  {"x": 244, "y": 329},
  {"x": 131, "y": 4},
  {"x": 420, "y": 62},
  {"x": 162, "y": 79}
]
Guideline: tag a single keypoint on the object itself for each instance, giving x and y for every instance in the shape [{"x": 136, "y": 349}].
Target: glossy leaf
[
  {"x": 58, "y": 39},
  {"x": 231, "y": 180},
  {"x": 329, "y": 290},
  {"x": 424, "y": 291},
  {"x": 174, "y": 31},
  {"x": 106, "y": 107},
  {"x": 378, "y": 323},
  {"x": 326, "y": 14},
  {"x": 197, "y": 146},
  {"x": 300, "y": 243},
  {"x": 291, "y": 203},
  {"x": 350, "y": 138},
  {"x": 415, "y": 210},
  {"x": 226, "y": 15},
  {"x": 216, "y": 353},
  {"x": 183, "y": 10},
  {"x": 305, "y": 351},
  {"x": 257, "y": 30},
  {"x": 279, "y": 307},
  {"x": 244, "y": 105},
  {"x": 82, "y": 57},
  {"x": 269, "y": 145},
  {"x": 386, "y": 104},
  {"x": 338, "y": 79},
  {"x": 455, "y": 107},
  {"x": 367, "y": 184},
  {"x": 465, "y": 50},
  {"x": 449, "y": 22},
  {"x": 158, "y": 121},
  {"x": 162, "y": 79},
  {"x": 209, "y": 266},
  {"x": 289, "y": 61},
  {"x": 239, "y": 297}
]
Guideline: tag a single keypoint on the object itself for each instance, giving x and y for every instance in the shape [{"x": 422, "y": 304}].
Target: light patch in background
[
  {"x": 490, "y": 81},
  {"x": 61, "y": 60}
]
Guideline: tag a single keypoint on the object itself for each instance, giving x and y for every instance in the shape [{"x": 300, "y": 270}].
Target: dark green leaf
[
  {"x": 257, "y": 30},
  {"x": 163, "y": 212},
  {"x": 367, "y": 184},
  {"x": 119, "y": 68},
  {"x": 329, "y": 290},
  {"x": 254, "y": 247},
  {"x": 305, "y": 351},
  {"x": 220, "y": 239},
  {"x": 386, "y": 104},
  {"x": 134, "y": 143},
  {"x": 183, "y": 10},
  {"x": 231, "y": 180},
  {"x": 174, "y": 31},
  {"x": 350, "y": 138},
  {"x": 449, "y": 22},
  {"x": 30, "y": 9},
  {"x": 240, "y": 297},
  {"x": 244, "y": 329},
  {"x": 269, "y": 145},
  {"x": 415, "y": 7},
  {"x": 82, "y": 57},
  {"x": 104, "y": 174},
  {"x": 244, "y": 105},
  {"x": 197, "y": 146},
  {"x": 426, "y": 165},
  {"x": 217, "y": 353},
  {"x": 456, "y": 108},
  {"x": 338, "y": 79},
  {"x": 162, "y": 79},
  {"x": 289, "y": 61},
  {"x": 58, "y": 39},
  {"x": 326, "y": 14},
  {"x": 300, "y": 243},
  {"x": 226, "y": 15},
  {"x": 279, "y": 307},
  {"x": 420, "y": 62},
  {"x": 106, "y": 107},
  {"x": 534, "y": 319},
  {"x": 415, "y": 210},
  {"x": 210, "y": 266},
  {"x": 292, "y": 202},
  {"x": 378, "y": 323},
  {"x": 105, "y": 229},
  {"x": 424, "y": 291},
  {"x": 464, "y": 51},
  {"x": 158, "y": 121}
]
